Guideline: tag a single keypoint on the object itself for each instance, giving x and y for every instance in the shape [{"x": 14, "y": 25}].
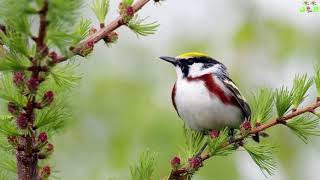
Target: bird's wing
[{"x": 236, "y": 93}]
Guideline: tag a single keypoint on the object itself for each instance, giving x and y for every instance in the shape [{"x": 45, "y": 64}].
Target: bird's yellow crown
[{"x": 191, "y": 55}]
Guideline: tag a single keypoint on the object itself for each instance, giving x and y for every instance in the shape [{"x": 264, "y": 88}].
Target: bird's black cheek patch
[{"x": 185, "y": 70}]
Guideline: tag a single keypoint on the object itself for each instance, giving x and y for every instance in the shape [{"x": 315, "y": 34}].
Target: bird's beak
[{"x": 169, "y": 59}]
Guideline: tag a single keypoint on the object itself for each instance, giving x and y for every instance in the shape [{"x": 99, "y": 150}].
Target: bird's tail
[{"x": 256, "y": 137}]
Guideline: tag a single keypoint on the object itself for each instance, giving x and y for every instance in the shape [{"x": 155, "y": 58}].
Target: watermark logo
[{"x": 310, "y": 6}]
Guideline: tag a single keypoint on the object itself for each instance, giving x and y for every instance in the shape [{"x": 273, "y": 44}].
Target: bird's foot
[
  {"x": 231, "y": 136},
  {"x": 201, "y": 150},
  {"x": 213, "y": 134}
]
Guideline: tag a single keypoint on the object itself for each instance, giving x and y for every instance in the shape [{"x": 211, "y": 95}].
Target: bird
[{"x": 204, "y": 96}]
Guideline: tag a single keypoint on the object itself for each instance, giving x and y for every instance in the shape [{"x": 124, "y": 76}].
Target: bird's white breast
[{"x": 201, "y": 109}]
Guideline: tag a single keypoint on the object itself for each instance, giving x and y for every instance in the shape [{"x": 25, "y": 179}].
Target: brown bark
[
  {"x": 27, "y": 166},
  {"x": 26, "y": 155}
]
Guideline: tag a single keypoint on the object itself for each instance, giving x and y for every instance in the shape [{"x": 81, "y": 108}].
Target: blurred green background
[{"x": 122, "y": 105}]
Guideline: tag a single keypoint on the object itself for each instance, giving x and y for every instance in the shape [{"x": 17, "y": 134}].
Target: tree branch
[
  {"x": 103, "y": 32},
  {"x": 27, "y": 167},
  {"x": 41, "y": 47},
  {"x": 43, "y": 22},
  {"x": 179, "y": 173}
]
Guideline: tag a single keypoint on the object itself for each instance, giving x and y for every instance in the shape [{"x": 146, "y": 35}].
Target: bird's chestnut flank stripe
[
  {"x": 173, "y": 96},
  {"x": 214, "y": 88}
]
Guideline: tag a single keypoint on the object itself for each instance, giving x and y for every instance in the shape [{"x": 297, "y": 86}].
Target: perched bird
[{"x": 204, "y": 96}]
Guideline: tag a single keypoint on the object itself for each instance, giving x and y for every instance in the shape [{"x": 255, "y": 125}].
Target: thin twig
[
  {"x": 103, "y": 32},
  {"x": 177, "y": 174},
  {"x": 43, "y": 23}
]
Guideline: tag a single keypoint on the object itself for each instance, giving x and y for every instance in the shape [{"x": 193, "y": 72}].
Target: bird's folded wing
[{"x": 240, "y": 99}]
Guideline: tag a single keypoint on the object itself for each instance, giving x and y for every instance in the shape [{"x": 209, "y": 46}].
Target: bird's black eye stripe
[
  {"x": 185, "y": 70},
  {"x": 185, "y": 63}
]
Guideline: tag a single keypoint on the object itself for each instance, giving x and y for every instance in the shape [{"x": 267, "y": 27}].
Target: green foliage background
[{"x": 122, "y": 105}]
